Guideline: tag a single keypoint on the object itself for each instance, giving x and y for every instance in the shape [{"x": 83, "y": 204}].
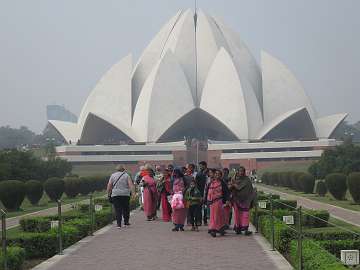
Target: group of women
[{"x": 184, "y": 194}]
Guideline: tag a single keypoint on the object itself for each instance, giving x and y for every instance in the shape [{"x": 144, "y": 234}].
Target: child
[{"x": 193, "y": 200}]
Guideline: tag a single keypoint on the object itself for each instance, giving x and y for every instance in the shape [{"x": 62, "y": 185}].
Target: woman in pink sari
[
  {"x": 150, "y": 193},
  {"x": 178, "y": 209},
  {"x": 164, "y": 188},
  {"x": 217, "y": 196}
]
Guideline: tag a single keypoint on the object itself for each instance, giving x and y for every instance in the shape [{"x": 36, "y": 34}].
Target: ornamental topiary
[
  {"x": 72, "y": 187},
  {"x": 85, "y": 186},
  {"x": 307, "y": 182},
  {"x": 321, "y": 188},
  {"x": 34, "y": 191},
  {"x": 336, "y": 184},
  {"x": 353, "y": 182},
  {"x": 54, "y": 188},
  {"x": 12, "y": 194}
]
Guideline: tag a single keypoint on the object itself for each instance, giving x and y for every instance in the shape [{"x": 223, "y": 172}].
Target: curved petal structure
[
  {"x": 327, "y": 125},
  {"x": 227, "y": 99},
  {"x": 110, "y": 134},
  {"x": 197, "y": 78},
  {"x": 68, "y": 130},
  {"x": 295, "y": 124},
  {"x": 282, "y": 92},
  {"x": 150, "y": 57},
  {"x": 165, "y": 98}
]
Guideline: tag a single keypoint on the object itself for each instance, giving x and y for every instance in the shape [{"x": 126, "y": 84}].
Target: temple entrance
[{"x": 196, "y": 150}]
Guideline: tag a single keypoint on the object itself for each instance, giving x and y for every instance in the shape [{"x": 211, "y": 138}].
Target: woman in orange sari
[
  {"x": 164, "y": 189},
  {"x": 179, "y": 210}
]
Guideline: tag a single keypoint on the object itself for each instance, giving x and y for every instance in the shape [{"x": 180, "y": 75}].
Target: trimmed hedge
[
  {"x": 314, "y": 257},
  {"x": 34, "y": 191},
  {"x": 329, "y": 233},
  {"x": 336, "y": 184},
  {"x": 72, "y": 187},
  {"x": 307, "y": 183},
  {"x": 317, "y": 219},
  {"x": 335, "y": 247},
  {"x": 35, "y": 224},
  {"x": 45, "y": 244},
  {"x": 54, "y": 188},
  {"x": 353, "y": 182},
  {"x": 321, "y": 188},
  {"x": 283, "y": 234},
  {"x": 12, "y": 194},
  {"x": 15, "y": 258},
  {"x": 85, "y": 186}
]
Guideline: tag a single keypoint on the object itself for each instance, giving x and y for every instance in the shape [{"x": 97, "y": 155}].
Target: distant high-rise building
[{"x": 59, "y": 112}]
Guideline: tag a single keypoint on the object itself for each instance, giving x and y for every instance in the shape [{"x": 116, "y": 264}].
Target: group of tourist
[{"x": 187, "y": 197}]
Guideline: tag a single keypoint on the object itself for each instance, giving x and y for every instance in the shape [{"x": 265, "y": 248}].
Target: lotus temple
[{"x": 197, "y": 80}]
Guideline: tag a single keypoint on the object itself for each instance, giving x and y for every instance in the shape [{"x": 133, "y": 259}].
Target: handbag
[{"x": 113, "y": 185}]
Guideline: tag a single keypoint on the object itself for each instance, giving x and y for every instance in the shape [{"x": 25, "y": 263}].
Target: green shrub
[
  {"x": 34, "y": 191},
  {"x": 45, "y": 244},
  {"x": 336, "y": 184},
  {"x": 329, "y": 233},
  {"x": 307, "y": 182},
  {"x": 102, "y": 201},
  {"x": 353, "y": 182},
  {"x": 265, "y": 178},
  {"x": 54, "y": 188},
  {"x": 314, "y": 257},
  {"x": 284, "y": 204},
  {"x": 35, "y": 224},
  {"x": 315, "y": 218},
  {"x": 72, "y": 187},
  {"x": 82, "y": 224},
  {"x": 12, "y": 194},
  {"x": 321, "y": 188},
  {"x": 85, "y": 186},
  {"x": 15, "y": 258},
  {"x": 264, "y": 196},
  {"x": 295, "y": 181},
  {"x": 283, "y": 233},
  {"x": 335, "y": 246}
]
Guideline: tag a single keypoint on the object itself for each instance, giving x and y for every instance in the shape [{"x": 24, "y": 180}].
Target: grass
[
  {"x": 299, "y": 166},
  {"x": 347, "y": 204},
  {"x": 45, "y": 203}
]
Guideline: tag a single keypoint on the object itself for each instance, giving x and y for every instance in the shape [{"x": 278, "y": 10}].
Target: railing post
[
  {"x": 91, "y": 212},
  {"x": 256, "y": 214},
  {"x": 300, "y": 257},
  {"x": 60, "y": 232},
  {"x": 272, "y": 223},
  {"x": 3, "y": 238}
]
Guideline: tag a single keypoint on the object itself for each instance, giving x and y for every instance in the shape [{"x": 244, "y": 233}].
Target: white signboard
[
  {"x": 262, "y": 204},
  {"x": 350, "y": 257},
  {"x": 98, "y": 207},
  {"x": 54, "y": 224},
  {"x": 289, "y": 220}
]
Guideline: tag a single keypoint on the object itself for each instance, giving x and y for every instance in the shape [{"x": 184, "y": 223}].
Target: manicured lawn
[
  {"x": 347, "y": 204},
  {"x": 45, "y": 203}
]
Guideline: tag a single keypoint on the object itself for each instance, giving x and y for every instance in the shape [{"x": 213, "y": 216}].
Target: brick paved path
[
  {"x": 152, "y": 245},
  {"x": 346, "y": 215}
]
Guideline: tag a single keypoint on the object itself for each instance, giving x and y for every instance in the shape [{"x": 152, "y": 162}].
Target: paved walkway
[
  {"x": 152, "y": 245},
  {"x": 350, "y": 216}
]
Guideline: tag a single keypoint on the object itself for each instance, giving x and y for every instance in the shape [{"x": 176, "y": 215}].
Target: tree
[
  {"x": 353, "y": 182},
  {"x": 54, "y": 188},
  {"x": 34, "y": 191},
  {"x": 336, "y": 184},
  {"x": 342, "y": 159},
  {"x": 12, "y": 194}
]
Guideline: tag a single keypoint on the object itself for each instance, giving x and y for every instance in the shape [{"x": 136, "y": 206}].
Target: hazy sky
[{"x": 55, "y": 51}]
